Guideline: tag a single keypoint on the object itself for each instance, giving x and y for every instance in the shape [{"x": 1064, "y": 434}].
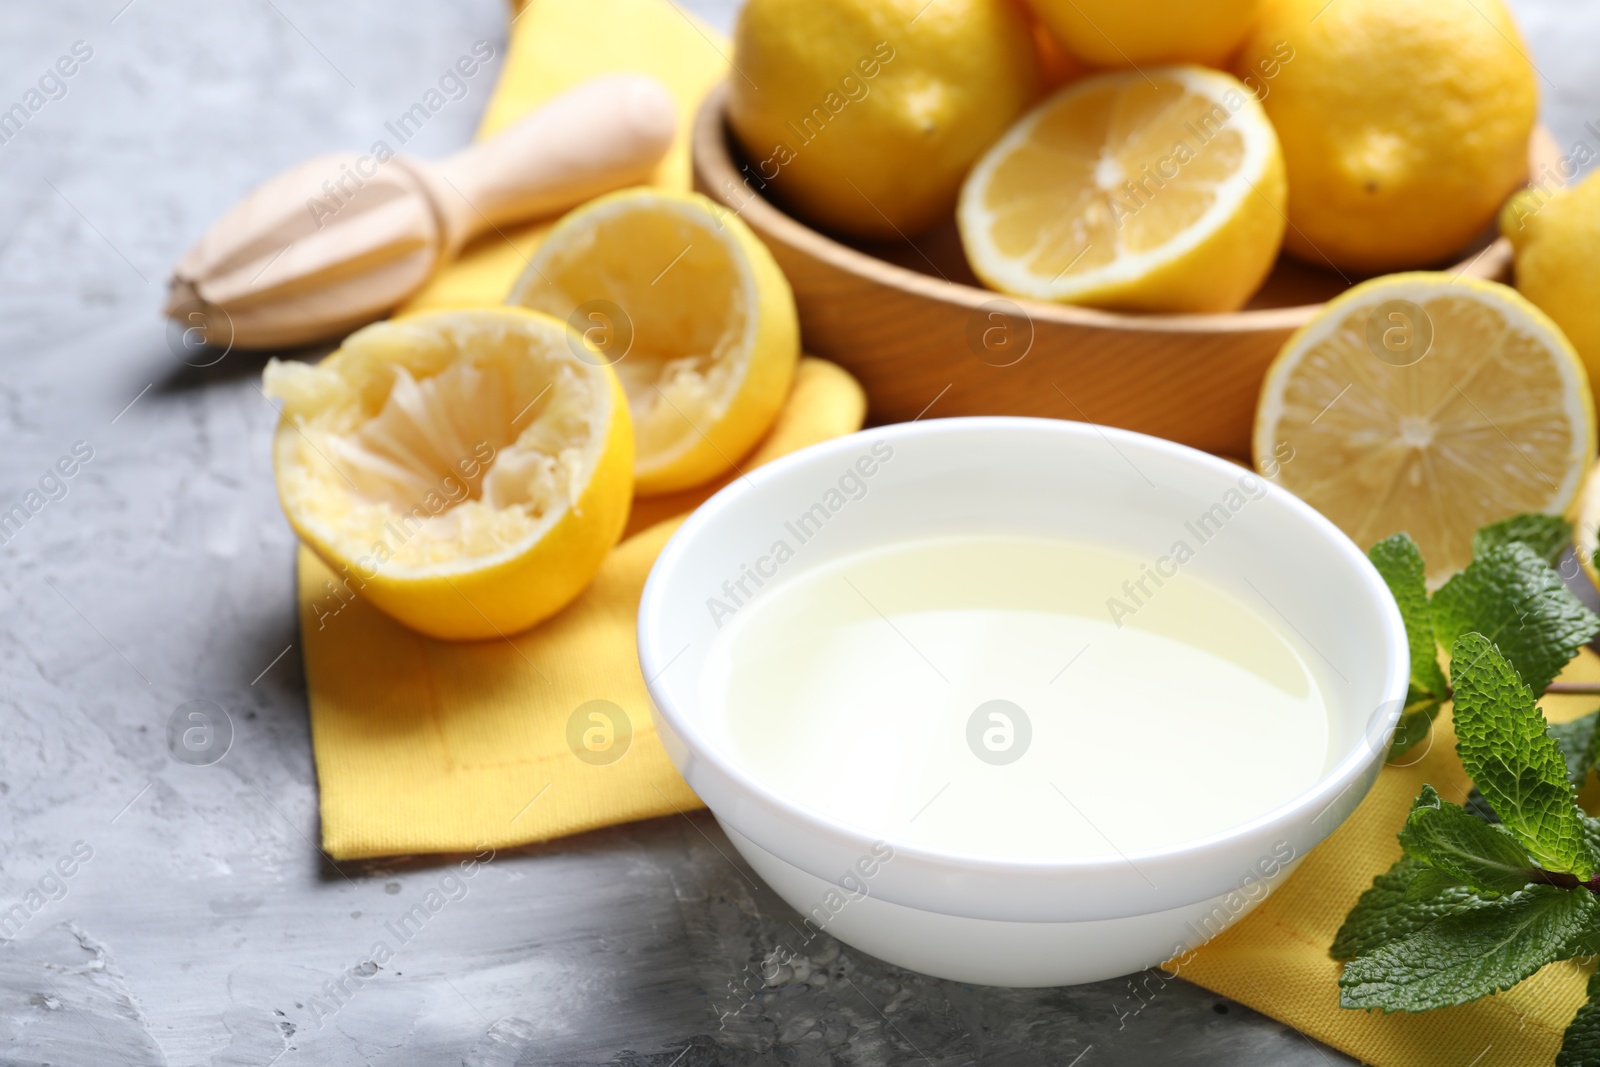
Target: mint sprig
[{"x": 1488, "y": 891}]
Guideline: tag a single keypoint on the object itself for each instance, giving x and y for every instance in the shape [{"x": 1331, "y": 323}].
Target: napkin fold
[{"x": 428, "y": 746}]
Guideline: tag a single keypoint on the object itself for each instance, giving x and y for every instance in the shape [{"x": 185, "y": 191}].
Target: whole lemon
[
  {"x": 1126, "y": 33},
  {"x": 863, "y": 115},
  {"x": 1555, "y": 234},
  {"x": 1404, "y": 123}
]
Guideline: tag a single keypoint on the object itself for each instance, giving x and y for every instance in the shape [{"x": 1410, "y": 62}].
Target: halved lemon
[
  {"x": 1160, "y": 190},
  {"x": 464, "y": 471},
  {"x": 692, "y": 311},
  {"x": 1430, "y": 405}
]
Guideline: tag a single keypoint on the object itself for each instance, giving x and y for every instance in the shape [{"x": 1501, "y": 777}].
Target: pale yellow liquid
[{"x": 849, "y": 690}]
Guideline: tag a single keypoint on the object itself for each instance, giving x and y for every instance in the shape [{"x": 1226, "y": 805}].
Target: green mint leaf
[
  {"x": 1385, "y": 913},
  {"x": 1463, "y": 847},
  {"x": 1580, "y": 745},
  {"x": 1547, "y": 535},
  {"x": 1429, "y": 883},
  {"x": 1399, "y": 562},
  {"x": 1502, "y": 739},
  {"x": 1514, "y": 598},
  {"x": 1581, "y": 1045},
  {"x": 1470, "y": 953}
]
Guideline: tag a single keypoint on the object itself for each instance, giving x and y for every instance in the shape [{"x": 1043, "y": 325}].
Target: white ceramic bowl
[{"x": 1014, "y": 922}]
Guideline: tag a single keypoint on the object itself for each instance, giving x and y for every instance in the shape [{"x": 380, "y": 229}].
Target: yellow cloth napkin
[{"x": 1276, "y": 958}]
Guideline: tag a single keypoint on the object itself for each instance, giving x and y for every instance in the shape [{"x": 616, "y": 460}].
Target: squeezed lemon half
[
  {"x": 1429, "y": 405},
  {"x": 689, "y": 307},
  {"x": 464, "y": 471},
  {"x": 1160, "y": 190}
]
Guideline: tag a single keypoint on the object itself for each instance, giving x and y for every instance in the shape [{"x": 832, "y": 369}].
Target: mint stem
[{"x": 1565, "y": 880}]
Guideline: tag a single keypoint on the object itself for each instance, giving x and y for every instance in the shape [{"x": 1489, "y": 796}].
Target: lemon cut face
[
  {"x": 1424, "y": 404},
  {"x": 462, "y": 470},
  {"x": 1155, "y": 191},
  {"x": 692, "y": 312}
]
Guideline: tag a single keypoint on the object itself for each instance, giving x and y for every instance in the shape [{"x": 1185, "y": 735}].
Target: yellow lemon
[
  {"x": 1126, "y": 33},
  {"x": 1404, "y": 123},
  {"x": 462, "y": 470},
  {"x": 1155, "y": 190},
  {"x": 689, "y": 307},
  {"x": 1585, "y": 519},
  {"x": 1420, "y": 404},
  {"x": 1556, "y": 236},
  {"x": 863, "y": 115}
]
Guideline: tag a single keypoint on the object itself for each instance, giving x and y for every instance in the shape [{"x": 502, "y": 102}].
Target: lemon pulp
[
  {"x": 1159, "y": 191},
  {"x": 435, "y": 457}
]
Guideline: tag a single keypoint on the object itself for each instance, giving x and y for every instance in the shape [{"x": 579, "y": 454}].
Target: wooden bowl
[{"x": 913, "y": 324}]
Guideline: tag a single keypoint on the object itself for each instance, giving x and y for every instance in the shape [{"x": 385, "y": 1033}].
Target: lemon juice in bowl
[{"x": 1022, "y": 698}]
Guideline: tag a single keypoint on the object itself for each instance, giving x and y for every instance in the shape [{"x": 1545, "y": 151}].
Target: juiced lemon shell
[
  {"x": 465, "y": 471},
  {"x": 692, "y": 312}
]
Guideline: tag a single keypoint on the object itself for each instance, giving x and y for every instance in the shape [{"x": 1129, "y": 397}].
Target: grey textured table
[{"x": 204, "y": 926}]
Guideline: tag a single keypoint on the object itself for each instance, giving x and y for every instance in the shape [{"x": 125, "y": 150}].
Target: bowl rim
[
  {"x": 715, "y": 174},
  {"x": 655, "y": 658}
]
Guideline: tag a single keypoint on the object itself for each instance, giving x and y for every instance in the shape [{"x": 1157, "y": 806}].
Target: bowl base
[{"x": 987, "y": 951}]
